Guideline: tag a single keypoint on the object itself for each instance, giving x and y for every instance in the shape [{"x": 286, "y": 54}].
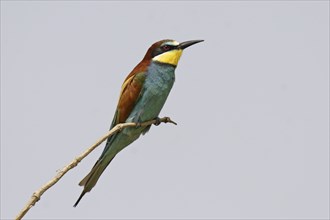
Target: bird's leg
[
  {"x": 138, "y": 124},
  {"x": 157, "y": 121}
]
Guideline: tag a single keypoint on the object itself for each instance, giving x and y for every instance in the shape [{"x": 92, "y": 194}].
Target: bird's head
[{"x": 168, "y": 51}]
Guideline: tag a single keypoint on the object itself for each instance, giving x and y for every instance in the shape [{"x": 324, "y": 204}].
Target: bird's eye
[{"x": 166, "y": 47}]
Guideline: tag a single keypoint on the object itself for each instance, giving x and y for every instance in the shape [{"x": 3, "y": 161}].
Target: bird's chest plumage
[
  {"x": 159, "y": 80},
  {"x": 157, "y": 86}
]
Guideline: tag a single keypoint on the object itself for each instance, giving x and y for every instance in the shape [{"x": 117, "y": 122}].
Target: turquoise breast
[{"x": 157, "y": 86}]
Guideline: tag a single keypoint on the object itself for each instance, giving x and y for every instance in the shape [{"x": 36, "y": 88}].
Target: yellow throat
[{"x": 171, "y": 57}]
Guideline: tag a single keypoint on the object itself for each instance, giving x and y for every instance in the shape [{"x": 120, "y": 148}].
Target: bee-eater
[{"x": 143, "y": 95}]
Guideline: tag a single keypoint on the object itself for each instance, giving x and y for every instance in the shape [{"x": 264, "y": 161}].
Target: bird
[{"x": 142, "y": 96}]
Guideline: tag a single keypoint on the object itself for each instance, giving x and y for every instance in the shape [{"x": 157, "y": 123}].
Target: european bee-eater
[{"x": 143, "y": 95}]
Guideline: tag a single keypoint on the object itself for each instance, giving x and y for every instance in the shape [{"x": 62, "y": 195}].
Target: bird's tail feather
[
  {"x": 80, "y": 197},
  {"x": 92, "y": 177}
]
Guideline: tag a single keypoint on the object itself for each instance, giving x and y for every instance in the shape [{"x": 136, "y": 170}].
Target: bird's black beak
[{"x": 186, "y": 44}]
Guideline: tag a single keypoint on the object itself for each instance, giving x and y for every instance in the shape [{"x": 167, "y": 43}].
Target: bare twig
[{"x": 37, "y": 194}]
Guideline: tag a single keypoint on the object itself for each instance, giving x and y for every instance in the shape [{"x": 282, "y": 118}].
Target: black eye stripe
[
  {"x": 162, "y": 49},
  {"x": 167, "y": 47}
]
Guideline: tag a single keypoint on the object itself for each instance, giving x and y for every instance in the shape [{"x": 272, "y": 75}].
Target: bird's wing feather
[{"x": 129, "y": 95}]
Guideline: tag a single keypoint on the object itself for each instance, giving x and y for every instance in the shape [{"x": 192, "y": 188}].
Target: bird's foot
[
  {"x": 169, "y": 120},
  {"x": 157, "y": 121}
]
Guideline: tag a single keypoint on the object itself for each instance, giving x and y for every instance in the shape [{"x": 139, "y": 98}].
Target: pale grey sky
[{"x": 251, "y": 102}]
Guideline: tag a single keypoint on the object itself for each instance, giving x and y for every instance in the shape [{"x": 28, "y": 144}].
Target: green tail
[
  {"x": 113, "y": 146},
  {"x": 92, "y": 177}
]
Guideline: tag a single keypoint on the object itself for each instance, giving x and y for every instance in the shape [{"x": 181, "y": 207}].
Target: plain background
[{"x": 251, "y": 103}]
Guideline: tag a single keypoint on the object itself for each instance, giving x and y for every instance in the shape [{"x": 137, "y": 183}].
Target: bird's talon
[{"x": 173, "y": 122}]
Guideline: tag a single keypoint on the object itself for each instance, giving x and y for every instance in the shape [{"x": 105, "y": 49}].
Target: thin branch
[{"x": 37, "y": 194}]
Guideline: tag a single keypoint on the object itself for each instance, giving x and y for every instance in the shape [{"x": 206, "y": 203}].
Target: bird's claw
[{"x": 169, "y": 120}]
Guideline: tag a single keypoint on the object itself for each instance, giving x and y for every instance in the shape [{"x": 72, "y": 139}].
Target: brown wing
[
  {"x": 130, "y": 92},
  {"x": 132, "y": 86}
]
